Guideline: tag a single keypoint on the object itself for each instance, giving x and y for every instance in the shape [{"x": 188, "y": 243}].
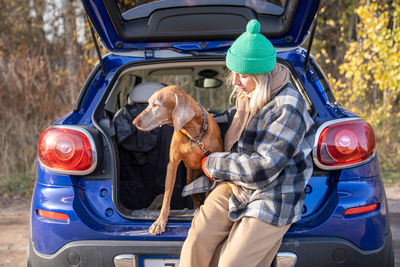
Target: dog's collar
[
  {"x": 203, "y": 131},
  {"x": 204, "y": 127}
]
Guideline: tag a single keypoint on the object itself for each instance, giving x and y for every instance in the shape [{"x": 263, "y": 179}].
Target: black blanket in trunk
[{"x": 143, "y": 159}]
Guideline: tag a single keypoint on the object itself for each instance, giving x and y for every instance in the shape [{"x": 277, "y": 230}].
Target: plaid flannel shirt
[{"x": 271, "y": 162}]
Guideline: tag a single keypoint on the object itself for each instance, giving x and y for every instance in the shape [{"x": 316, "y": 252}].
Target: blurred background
[{"x": 46, "y": 53}]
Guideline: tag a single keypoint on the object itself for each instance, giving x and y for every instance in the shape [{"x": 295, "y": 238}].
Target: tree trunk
[
  {"x": 71, "y": 49},
  {"x": 39, "y": 7}
]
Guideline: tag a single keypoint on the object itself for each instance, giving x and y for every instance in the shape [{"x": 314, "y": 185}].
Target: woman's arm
[{"x": 277, "y": 139}]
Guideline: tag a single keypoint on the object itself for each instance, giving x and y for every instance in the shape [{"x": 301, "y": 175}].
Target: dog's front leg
[{"x": 158, "y": 227}]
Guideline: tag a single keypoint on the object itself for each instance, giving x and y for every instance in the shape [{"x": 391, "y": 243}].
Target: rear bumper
[
  {"x": 322, "y": 251},
  {"x": 309, "y": 251},
  {"x": 99, "y": 252}
]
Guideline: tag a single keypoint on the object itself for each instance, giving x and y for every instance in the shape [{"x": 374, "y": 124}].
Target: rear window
[
  {"x": 212, "y": 93},
  {"x": 204, "y": 81},
  {"x": 216, "y": 98},
  {"x": 133, "y": 9}
]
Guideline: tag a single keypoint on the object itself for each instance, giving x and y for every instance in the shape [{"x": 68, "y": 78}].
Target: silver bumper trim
[
  {"x": 286, "y": 259},
  {"x": 125, "y": 260}
]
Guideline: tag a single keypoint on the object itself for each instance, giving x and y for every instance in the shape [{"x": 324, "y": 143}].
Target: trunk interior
[{"x": 143, "y": 156}]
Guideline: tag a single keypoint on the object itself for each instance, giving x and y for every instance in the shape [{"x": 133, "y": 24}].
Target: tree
[
  {"x": 71, "y": 43},
  {"x": 42, "y": 66},
  {"x": 370, "y": 75}
]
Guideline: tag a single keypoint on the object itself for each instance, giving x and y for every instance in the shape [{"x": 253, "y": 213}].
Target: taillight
[
  {"x": 344, "y": 143},
  {"x": 67, "y": 150}
]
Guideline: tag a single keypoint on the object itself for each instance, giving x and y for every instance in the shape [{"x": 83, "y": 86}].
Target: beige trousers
[{"x": 214, "y": 240}]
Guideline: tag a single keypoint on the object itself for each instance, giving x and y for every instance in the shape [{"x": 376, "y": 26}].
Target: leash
[{"x": 203, "y": 131}]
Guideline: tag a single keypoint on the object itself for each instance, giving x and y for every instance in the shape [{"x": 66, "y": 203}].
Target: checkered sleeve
[{"x": 276, "y": 140}]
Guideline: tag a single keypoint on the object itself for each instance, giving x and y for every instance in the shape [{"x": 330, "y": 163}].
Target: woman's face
[{"x": 243, "y": 82}]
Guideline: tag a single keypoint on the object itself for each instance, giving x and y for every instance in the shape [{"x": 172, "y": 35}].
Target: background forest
[{"x": 46, "y": 53}]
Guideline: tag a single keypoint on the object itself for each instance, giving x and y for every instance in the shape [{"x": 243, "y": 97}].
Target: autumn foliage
[{"x": 369, "y": 77}]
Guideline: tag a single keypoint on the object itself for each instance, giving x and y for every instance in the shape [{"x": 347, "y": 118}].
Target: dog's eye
[{"x": 156, "y": 104}]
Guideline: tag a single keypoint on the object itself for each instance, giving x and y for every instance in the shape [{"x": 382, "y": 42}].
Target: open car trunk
[{"x": 143, "y": 156}]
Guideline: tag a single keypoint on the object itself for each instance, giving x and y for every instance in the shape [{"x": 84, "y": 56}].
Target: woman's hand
[
  {"x": 203, "y": 167},
  {"x": 239, "y": 193}
]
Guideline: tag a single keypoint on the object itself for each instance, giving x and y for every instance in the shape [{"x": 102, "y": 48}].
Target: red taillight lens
[
  {"x": 345, "y": 144},
  {"x": 66, "y": 150}
]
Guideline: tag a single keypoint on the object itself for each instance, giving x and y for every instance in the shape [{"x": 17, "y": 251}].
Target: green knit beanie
[{"x": 251, "y": 52}]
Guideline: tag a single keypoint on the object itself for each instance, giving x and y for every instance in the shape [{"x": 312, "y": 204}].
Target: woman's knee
[{"x": 210, "y": 220}]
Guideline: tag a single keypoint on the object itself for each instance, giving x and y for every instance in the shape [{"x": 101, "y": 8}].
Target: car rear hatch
[{"x": 197, "y": 25}]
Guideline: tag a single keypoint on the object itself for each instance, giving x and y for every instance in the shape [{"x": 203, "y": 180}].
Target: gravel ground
[{"x": 393, "y": 195}]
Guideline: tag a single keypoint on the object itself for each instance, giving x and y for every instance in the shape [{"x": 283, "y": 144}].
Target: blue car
[{"x": 99, "y": 179}]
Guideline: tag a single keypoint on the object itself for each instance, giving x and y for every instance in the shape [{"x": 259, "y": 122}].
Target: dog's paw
[{"x": 158, "y": 227}]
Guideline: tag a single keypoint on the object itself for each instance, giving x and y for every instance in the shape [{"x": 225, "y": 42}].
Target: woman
[{"x": 268, "y": 156}]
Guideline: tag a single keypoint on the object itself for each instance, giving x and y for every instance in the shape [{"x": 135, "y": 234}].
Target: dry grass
[{"x": 34, "y": 93}]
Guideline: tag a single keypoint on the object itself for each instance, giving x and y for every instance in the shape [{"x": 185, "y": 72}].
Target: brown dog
[{"x": 174, "y": 107}]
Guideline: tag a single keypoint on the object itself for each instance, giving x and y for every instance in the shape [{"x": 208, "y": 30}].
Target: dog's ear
[{"x": 182, "y": 112}]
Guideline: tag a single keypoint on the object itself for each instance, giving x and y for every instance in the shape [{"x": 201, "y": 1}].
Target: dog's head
[{"x": 170, "y": 105}]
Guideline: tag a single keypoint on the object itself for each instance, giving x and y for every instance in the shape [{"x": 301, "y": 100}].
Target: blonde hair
[{"x": 262, "y": 91}]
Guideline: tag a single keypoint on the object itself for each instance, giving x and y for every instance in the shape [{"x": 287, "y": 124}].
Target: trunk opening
[{"x": 143, "y": 156}]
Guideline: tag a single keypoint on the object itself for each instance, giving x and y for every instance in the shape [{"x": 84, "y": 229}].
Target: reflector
[
  {"x": 52, "y": 215},
  {"x": 360, "y": 210}
]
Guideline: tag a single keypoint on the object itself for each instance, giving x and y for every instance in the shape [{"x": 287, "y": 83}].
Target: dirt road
[
  {"x": 393, "y": 195},
  {"x": 14, "y": 229},
  {"x": 14, "y": 233}
]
